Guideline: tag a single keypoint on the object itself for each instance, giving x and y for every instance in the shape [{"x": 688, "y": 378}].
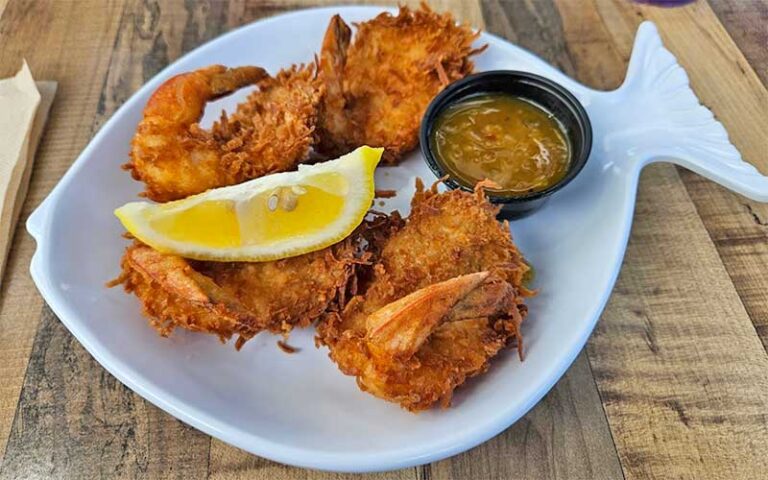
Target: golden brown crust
[
  {"x": 425, "y": 281},
  {"x": 271, "y": 132},
  {"x": 380, "y": 83},
  {"x": 174, "y": 295},
  {"x": 274, "y": 130},
  {"x": 238, "y": 298}
]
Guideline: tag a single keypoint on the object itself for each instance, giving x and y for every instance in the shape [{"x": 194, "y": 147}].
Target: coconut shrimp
[
  {"x": 417, "y": 350},
  {"x": 380, "y": 82},
  {"x": 238, "y": 298},
  {"x": 272, "y": 131},
  {"x": 445, "y": 295}
]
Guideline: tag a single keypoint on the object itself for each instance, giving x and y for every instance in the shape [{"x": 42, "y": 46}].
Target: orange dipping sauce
[{"x": 509, "y": 140}]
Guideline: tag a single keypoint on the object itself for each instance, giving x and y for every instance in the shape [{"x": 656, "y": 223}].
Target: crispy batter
[
  {"x": 282, "y": 345},
  {"x": 446, "y": 235},
  {"x": 381, "y": 193},
  {"x": 445, "y": 296},
  {"x": 379, "y": 85},
  {"x": 239, "y": 298},
  {"x": 273, "y": 131}
]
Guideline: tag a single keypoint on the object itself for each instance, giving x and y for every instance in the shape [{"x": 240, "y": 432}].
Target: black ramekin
[{"x": 544, "y": 92}]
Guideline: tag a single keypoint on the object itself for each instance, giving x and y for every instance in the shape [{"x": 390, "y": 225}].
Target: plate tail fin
[{"x": 664, "y": 120}]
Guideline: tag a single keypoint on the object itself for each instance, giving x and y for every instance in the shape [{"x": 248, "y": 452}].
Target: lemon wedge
[{"x": 272, "y": 217}]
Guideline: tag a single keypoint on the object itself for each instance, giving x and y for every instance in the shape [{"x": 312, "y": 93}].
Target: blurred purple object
[{"x": 665, "y": 3}]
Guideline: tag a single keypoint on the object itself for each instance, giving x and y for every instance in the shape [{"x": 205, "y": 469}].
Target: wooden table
[{"x": 674, "y": 381}]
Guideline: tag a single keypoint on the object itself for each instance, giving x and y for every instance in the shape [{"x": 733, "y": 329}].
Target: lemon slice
[{"x": 272, "y": 217}]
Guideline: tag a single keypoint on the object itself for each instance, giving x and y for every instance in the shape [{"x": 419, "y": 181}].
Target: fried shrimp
[
  {"x": 379, "y": 84},
  {"x": 445, "y": 295},
  {"x": 239, "y": 298},
  {"x": 170, "y": 153},
  {"x": 271, "y": 132}
]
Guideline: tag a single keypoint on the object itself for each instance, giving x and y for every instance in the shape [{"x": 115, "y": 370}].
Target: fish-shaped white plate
[{"x": 299, "y": 409}]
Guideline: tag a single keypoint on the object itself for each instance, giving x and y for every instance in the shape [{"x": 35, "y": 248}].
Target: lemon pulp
[
  {"x": 314, "y": 210},
  {"x": 208, "y": 224},
  {"x": 266, "y": 219}
]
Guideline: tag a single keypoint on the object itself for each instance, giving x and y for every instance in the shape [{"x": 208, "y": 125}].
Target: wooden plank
[
  {"x": 229, "y": 463},
  {"x": 77, "y": 421},
  {"x": 678, "y": 365},
  {"x": 565, "y": 436},
  {"x": 739, "y": 229},
  {"x": 152, "y": 35},
  {"x": 745, "y": 21},
  {"x": 682, "y": 373},
  {"x": 44, "y": 42}
]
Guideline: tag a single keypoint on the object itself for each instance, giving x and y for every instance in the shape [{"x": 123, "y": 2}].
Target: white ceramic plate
[{"x": 299, "y": 409}]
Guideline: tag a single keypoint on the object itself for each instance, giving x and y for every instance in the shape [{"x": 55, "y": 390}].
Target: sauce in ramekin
[{"x": 513, "y": 142}]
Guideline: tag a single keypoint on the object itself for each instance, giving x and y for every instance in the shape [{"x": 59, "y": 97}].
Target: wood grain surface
[{"x": 674, "y": 381}]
